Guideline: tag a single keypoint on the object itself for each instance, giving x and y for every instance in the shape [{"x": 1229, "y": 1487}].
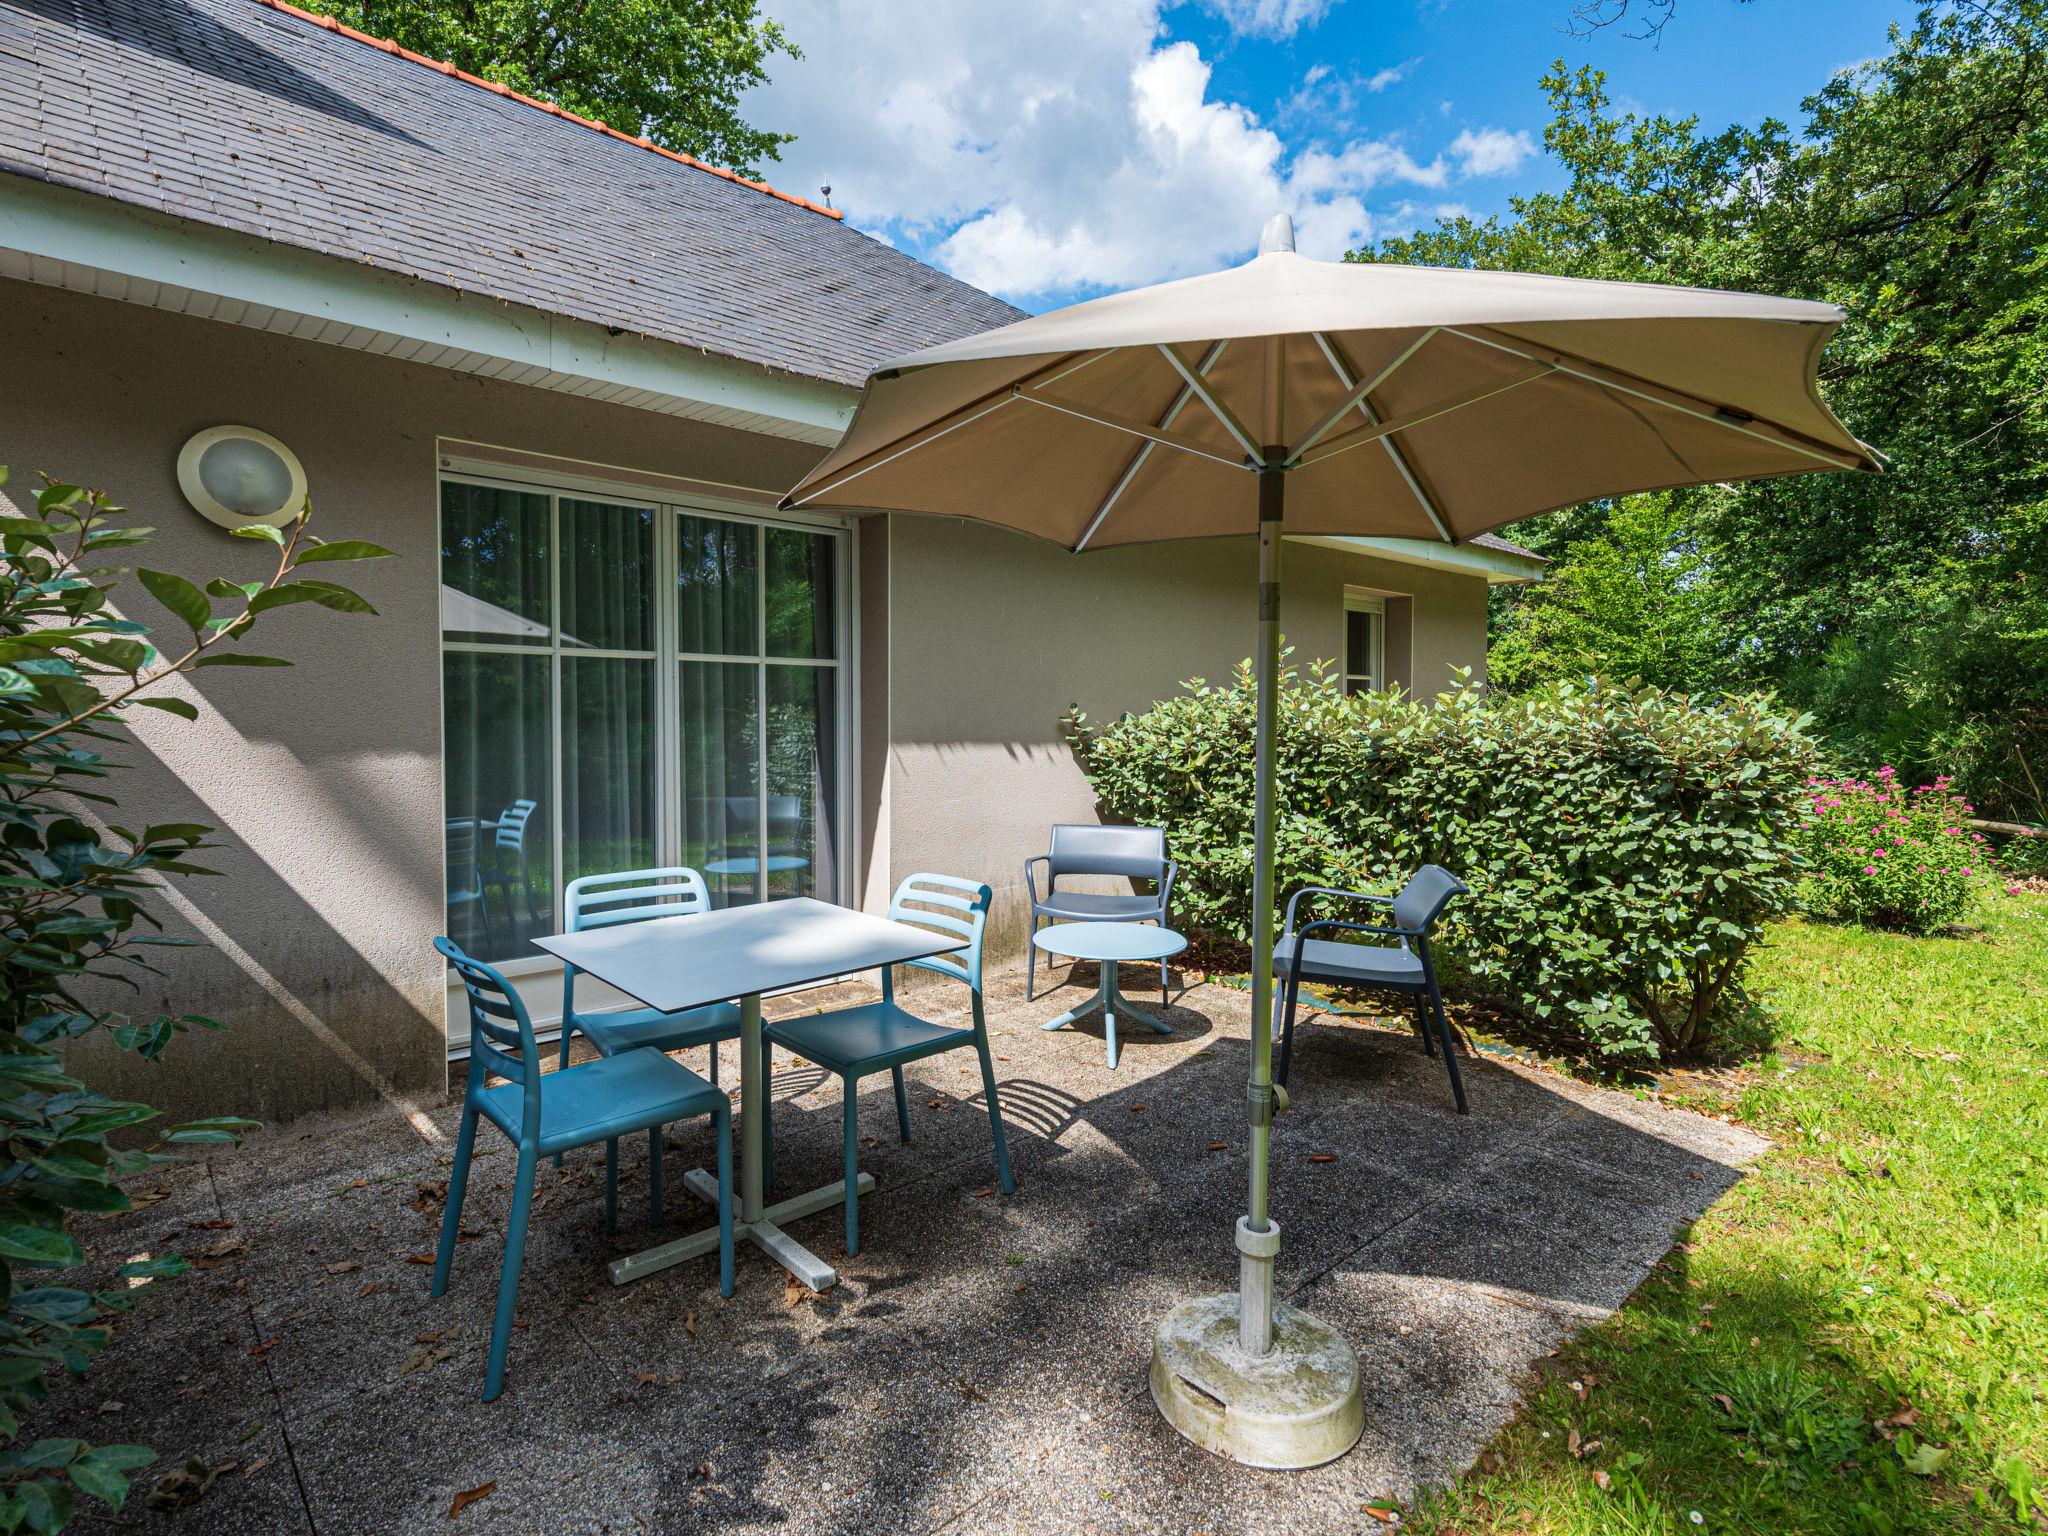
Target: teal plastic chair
[
  {"x": 635, "y": 896},
  {"x": 859, "y": 1042},
  {"x": 575, "y": 1107}
]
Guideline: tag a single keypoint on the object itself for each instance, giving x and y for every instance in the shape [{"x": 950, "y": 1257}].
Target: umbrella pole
[
  {"x": 1258, "y": 1242},
  {"x": 1266, "y": 1385}
]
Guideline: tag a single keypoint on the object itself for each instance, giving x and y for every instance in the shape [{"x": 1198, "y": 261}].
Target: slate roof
[{"x": 253, "y": 117}]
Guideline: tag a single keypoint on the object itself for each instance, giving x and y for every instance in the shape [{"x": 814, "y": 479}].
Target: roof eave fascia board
[
  {"x": 67, "y": 235},
  {"x": 1498, "y": 566}
]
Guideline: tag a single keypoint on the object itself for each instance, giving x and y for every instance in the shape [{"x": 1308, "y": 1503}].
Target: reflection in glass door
[{"x": 572, "y": 749}]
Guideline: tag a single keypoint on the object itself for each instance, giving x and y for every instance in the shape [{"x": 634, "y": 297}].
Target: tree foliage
[
  {"x": 75, "y": 923},
  {"x": 1906, "y": 610},
  {"x": 672, "y": 70}
]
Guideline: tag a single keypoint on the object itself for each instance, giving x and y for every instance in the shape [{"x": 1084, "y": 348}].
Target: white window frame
[
  {"x": 1374, "y": 603},
  {"x": 531, "y": 974}
]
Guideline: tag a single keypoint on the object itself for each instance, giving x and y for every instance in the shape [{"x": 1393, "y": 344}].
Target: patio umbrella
[{"x": 1328, "y": 398}]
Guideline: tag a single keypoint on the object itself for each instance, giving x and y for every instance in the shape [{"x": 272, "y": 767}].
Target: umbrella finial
[{"x": 1278, "y": 235}]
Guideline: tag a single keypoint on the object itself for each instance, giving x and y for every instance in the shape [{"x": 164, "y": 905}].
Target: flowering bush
[{"x": 1893, "y": 857}]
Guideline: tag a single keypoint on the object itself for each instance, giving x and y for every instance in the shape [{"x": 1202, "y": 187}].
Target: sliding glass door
[{"x": 628, "y": 684}]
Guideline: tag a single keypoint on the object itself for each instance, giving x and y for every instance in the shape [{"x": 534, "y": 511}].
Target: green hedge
[{"x": 1624, "y": 847}]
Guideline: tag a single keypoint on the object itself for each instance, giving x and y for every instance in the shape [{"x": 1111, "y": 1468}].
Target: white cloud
[
  {"x": 1393, "y": 74},
  {"x": 1270, "y": 18},
  {"x": 1045, "y": 150},
  {"x": 1491, "y": 151}
]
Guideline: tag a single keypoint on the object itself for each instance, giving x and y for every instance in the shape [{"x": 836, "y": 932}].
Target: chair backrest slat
[
  {"x": 500, "y": 1031},
  {"x": 512, "y": 824},
  {"x": 633, "y": 896},
  {"x": 1137, "y": 853},
  {"x": 1424, "y": 897},
  {"x": 915, "y": 903}
]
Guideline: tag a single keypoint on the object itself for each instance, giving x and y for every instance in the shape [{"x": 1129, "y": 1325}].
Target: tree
[
  {"x": 672, "y": 70},
  {"x": 1905, "y": 610}
]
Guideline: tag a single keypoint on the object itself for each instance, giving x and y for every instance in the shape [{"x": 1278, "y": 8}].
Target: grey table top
[
  {"x": 673, "y": 963},
  {"x": 1109, "y": 941}
]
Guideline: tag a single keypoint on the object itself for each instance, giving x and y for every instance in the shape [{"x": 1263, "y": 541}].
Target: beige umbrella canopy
[
  {"x": 1347, "y": 399},
  {"x": 1416, "y": 402}
]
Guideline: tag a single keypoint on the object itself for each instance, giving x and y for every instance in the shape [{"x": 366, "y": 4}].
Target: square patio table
[{"x": 673, "y": 963}]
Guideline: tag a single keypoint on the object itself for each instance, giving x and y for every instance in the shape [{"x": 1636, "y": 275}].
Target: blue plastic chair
[
  {"x": 575, "y": 1107},
  {"x": 858, "y": 1042},
  {"x": 635, "y": 896},
  {"x": 1405, "y": 966},
  {"x": 508, "y": 843},
  {"x": 1080, "y": 848},
  {"x": 466, "y": 880}
]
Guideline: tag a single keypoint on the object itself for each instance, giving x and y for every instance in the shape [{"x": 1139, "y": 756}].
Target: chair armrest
[
  {"x": 1172, "y": 872},
  {"x": 1329, "y": 890},
  {"x": 1383, "y": 930},
  {"x": 1031, "y": 884}
]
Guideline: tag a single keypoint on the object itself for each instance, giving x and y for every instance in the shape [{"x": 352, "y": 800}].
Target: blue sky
[{"x": 1053, "y": 149}]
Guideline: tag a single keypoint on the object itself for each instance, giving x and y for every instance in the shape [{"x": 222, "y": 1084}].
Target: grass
[{"x": 1856, "y": 1339}]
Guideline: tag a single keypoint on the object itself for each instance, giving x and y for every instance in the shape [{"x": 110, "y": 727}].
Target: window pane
[
  {"x": 608, "y": 796},
  {"x": 497, "y": 718},
  {"x": 800, "y": 592},
  {"x": 494, "y": 565},
  {"x": 715, "y": 571},
  {"x": 1358, "y": 643},
  {"x": 607, "y": 576},
  {"x": 803, "y": 782},
  {"x": 719, "y": 709}
]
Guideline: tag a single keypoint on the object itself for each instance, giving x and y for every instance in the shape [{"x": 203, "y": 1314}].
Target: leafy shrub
[
  {"x": 1882, "y": 854},
  {"x": 1624, "y": 847},
  {"x": 75, "y": 920}
]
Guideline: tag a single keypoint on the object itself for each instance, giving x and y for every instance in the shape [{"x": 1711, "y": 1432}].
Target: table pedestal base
[
  {"x": 765, "y": 1233},
  {"x": 1111, "y": 1002}
]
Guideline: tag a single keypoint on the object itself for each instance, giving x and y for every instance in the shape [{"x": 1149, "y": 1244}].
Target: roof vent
[{"x": 1278, "y": 235}]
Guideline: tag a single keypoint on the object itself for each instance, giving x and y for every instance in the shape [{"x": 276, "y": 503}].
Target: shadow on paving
[{"x": 981, "y": 1365}]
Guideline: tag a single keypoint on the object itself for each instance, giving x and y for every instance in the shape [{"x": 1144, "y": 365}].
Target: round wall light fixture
[{"x": 235, "y": 476}]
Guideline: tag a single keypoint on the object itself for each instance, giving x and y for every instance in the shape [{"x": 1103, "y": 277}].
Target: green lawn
[{"x": 1856, "y": 1338}]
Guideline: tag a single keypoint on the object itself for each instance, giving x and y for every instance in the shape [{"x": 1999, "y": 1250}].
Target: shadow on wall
[{"x": 186, "y": 35}]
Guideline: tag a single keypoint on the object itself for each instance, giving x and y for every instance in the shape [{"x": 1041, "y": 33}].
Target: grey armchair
[
  {"x": 1402, "y": 966},
  {"x": 1135, "y": 853}
]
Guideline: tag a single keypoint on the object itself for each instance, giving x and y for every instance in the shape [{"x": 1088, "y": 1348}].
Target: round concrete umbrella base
[{"x": 1297, "y": 1406}]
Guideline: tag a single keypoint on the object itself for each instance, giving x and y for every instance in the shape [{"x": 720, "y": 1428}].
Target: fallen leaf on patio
[
  {"x": 209, "y": 1226},
  {"x": 969, "y": 1391},
  {"x": 256, "y": 1466},
  {"x": 429, "y": 1338},
  {"x": 1386, "y": 1514},
  {"x": 1322, "y": 1157},
  {"x": 219, "y": 1253},
  {"x": 429, "y": 1195},
  {"x": 469, "y": 1496},
  {"x": 1724, "y": 1402},
  {"x": 690, "y": 1324},
  {"x": 645, "y": 1378},
  {"x": 795, "y": 1293},
  {"x": 149, "y": 1196},
  {"x": 360, "y": 1184},
  {"x": 419, "y": 1258},
  {"x": 185, "y": 1487},
  {"x": 1601, "y": 1479},
  {"x": 424, "y": 1357},
  {"x": 703, "y": 1470},
  {"x": 368, "y": 1286},
  {"x": 265, "y": 1347},
  {"x": 1137, "y": 1109},
  {"x": 112, "y": 1405},
  {"x": 1571, "y": 1442},
  {"x": 983, "y": 1194},
  {"x": 343, "y": 1266},
  {"x": 1219, "y": 1146},
  {"x": 940, "y": 1104}
]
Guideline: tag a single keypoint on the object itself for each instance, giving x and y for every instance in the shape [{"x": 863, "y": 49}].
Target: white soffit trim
[
  {"x": 90, "y": 244},
  {"x": 1498, "y": 566}
]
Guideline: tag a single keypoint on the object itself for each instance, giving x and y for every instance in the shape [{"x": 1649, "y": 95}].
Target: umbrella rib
[
  {"x": 1217, "y": 408},
  {"x": 1603, "y": 377},
  {"x": 1138, "y": 459},
  {"x": 1364, "y": 404},
  {"x": 1360, "y": 436},
  {"x": 1355, "y": 394},
  {"x": 1128, "y": 424}
]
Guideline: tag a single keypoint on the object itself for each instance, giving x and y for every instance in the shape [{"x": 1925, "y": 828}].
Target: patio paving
[{"x": 981, "y": 1366}]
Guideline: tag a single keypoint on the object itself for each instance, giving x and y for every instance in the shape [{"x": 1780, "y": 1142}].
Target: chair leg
[
  {"x": 1287, "y": 1005},
  {"x": 714, "y": 1063},
  {"x": 611, "y": 1185},
  {"x": 851, "y": 1117},
  {"x": 721, "y": 1123},
  {"x": 995, "y": 1118},
  {"x": 1162, "y": 983},
  {"x": 561, "y": 1064},
  {"x": 508, "y": 1280},
  {"x": 1031, "y": 961},
  {"x": 767, "y": 1122},
  {"x": 1423, "y": 1026},
  {"x": 451, "y": 1209},
  {"x": 654, "y": 1174},
  {"x": 1443, "y": 1031},
  {"x": 902, "y": 1104}
]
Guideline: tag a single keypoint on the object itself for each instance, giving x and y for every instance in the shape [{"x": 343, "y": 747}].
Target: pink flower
[
  {"x": 1877, "y": 853},
  {"x": 1966, "y": 869},
  {"x": 1870, "y": 869}
]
